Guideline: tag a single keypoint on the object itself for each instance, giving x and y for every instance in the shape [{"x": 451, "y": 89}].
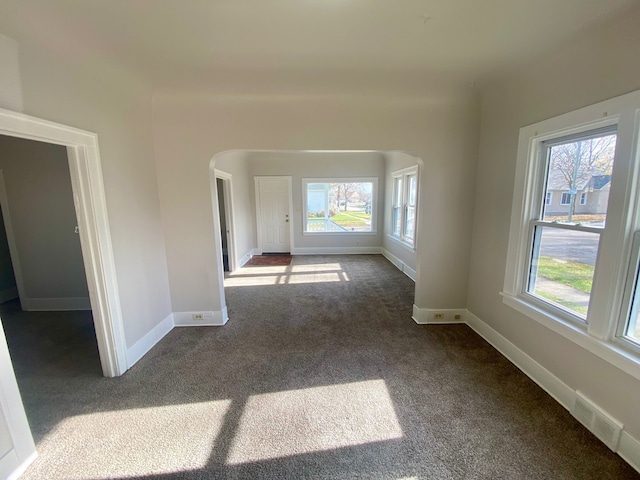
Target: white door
[
  {"x": 274, "y": 211},
  {"x": 17, "y": 449}
]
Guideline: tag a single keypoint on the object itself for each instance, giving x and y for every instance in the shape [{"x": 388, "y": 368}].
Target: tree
[{"x": 577, "y": 162}]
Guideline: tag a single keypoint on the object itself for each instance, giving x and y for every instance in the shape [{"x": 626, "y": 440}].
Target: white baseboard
[
  {"x": 247, "y": 256},
  {"x": 8, "y": 294},
  {"x": 17, "y": 472},
  {"x": 256, "y": 251},
  {"x": 400, "y": 265},
  {"x": 628, "y": 447},
  {"x": 428, "y": 316},
  {"x": 55, "y": 304},
  {"x": 336, "y": 251},
  {"x": 209, "y": 318},
  {"x": 146, "y": 343}
]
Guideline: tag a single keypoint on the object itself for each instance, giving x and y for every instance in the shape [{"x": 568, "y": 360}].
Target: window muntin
[
  {"x": 404, "y": 208},
  {"x": 565, "y": 240},
  {"x": 341, "y": 206}
]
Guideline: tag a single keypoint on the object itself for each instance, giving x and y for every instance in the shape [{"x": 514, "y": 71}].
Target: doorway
[
  {"x": 224, "y": 189},
  {"x": 274, "y": 206}
]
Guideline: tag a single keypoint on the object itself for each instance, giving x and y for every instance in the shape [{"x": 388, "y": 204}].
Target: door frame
[
  {"x": 227, "y": 181},
  {"x": 95, "y": 238},
  {"x": 257, "y": 180}
]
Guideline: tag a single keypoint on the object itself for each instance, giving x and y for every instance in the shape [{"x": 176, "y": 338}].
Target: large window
[
  {"x": 340, "y": 205},
  {"x": 573, "y": 264},
  {"x": 405, "y": 197}
]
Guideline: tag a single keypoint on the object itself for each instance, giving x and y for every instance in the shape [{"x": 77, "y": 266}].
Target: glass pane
[
  {"x": 397, "y": 197},
  {"x": 632, "y": 331},
  {"x": 409, "y": 224},
  {"x": 396, "y": 220},
  {"x": 577, "y": 168},
  {"x": 339, "y": 207},
  {"x": 562, "y": 265},
  {"x": 413, "y": 182}
]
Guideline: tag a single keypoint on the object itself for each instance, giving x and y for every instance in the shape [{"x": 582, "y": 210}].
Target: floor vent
[{"x": 601, "y": 424}]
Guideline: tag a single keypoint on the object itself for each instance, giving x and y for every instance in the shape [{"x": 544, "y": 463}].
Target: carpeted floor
[{"x": 320, "y": 374}]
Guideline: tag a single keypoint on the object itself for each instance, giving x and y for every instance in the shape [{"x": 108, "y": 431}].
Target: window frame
[
  {"x": 563, "y": 196},
  {"x": 404, "y": 176},
  {"x": 374, "y": 203},
  {"x": 600, "y": 334}
]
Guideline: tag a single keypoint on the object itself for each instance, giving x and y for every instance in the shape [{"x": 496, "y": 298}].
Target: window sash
[{"x": 404, "y": 206}]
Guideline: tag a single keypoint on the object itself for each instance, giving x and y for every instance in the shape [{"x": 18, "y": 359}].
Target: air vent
[{"x": 600, "y": 423}]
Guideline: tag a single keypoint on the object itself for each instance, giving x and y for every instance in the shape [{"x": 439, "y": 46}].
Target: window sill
[
  {"x": 340, "y": 233},
  {"x": 407, "y": 246},
  {"x": 611, "y": 353}
]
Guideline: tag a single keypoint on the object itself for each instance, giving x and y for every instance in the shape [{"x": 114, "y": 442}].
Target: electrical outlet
[
  {"x": 438, "y": 316},
  {"x": 457, "y": 316},
  {"x": 198, "y": 316}
]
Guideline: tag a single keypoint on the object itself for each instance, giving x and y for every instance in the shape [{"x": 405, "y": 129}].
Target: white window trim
[
  {"x": 405, "y": 173},
  {"x": 374, "y": 203},
  {"x": 599, "y": 334}
]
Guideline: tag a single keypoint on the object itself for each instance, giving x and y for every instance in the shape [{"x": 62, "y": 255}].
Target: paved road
[{"x": 570, "y": 245}]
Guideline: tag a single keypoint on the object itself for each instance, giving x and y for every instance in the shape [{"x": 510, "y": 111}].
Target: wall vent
[{"x": 600, "y": 423}]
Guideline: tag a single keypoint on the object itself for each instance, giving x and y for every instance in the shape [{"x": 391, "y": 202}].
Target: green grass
[
  {"x": 352, "y": 219},
  {"x": 573, "y": 274},
  {"x": 570, "y": 305}
]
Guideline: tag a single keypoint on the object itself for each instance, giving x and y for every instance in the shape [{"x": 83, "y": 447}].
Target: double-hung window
[
  {"x": 574, "y": 264},
  {"x": 404, "y": 207}
]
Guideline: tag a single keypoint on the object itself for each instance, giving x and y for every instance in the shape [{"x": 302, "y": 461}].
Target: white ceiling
[{"x": 194, "y": 41}]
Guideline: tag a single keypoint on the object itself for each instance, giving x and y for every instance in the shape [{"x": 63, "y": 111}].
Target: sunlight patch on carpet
[
  {"x": 296, "y": 422},
  {"x": 135, "y": 442},
  {"x": 282, "y": 279}
]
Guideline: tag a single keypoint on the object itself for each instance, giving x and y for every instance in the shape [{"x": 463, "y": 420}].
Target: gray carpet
[{"x": 320, "y": 373}]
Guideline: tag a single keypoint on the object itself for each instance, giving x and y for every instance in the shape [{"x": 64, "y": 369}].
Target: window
[
  {"x": 340, "y": 206},
  {"x": 574, "y": 265},
  {"x": 549, "y": 198},
  {"x": 405, "y": 196},
  {"x": 565, "y": 243}
]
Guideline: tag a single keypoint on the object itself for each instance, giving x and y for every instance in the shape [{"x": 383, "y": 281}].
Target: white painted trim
[
  {"x": 399, "y": 264},
  {"x": 210, "y": 318},
  {"x": 17, "y": 473},
  {"x": 426, "y": 316},
  {"x": 11, "y": 239},
  {"x": 146, "y": 343},
  {"x": 337, "y": 251},
  {"x": 256, "y": 251},
  {"x": 246, "y": 257},
  {"x": 227, "y": 180},
  {"x": 93, "y": 222},
  {"x": 629, "y": 450},
  {"x": 8, "y": 294},
  {"x": 289, "y": 180},
  {"x": 628, "y": 447},
  {"x": 55, "y": 304}
]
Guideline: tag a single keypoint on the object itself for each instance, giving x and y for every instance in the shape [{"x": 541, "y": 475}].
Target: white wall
[
  {"x": 8, "y": 286},
  {"x": 43, "y": 219},
  {"x": 603, "y": 63},
  {"x": 395, "y": 161},
  {"x": 190, "y": 128},
  {"x": 93, "y": 94},
  {"x": 301, "y": 165},
  {"x": 236, "y": 164}
]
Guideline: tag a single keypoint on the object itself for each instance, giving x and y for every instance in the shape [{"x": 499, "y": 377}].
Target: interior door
[
  {"x": 17, "y": 449},
  {"x": 274, "y": 209}
]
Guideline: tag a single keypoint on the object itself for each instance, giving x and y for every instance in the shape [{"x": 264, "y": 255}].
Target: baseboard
[
  {"x": 429, "y": 316},
  {"x": 17, "y": 472},
  {"x": 256, "y": 251},
  {"x": 55, "y": 304},
  {"x": 209, "y": 318},
  {"x": 8, "y": 294},
  {"x": 628, "y": 447},
  {"x": 247, "y": 256},
  {"x": 400, "y": 265},
  {"x": 337, "y": 251},
  {"x": 146, "y": 343}
]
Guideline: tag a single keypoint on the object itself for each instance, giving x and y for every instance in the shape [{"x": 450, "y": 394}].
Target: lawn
[
  {"x": 573, "y": 274},
  {"x": 352, "y": 219},
  {"x": 565, "y": 303}
]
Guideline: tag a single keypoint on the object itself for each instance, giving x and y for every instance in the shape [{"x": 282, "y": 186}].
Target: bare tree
[{"x": 577, "y": 162}]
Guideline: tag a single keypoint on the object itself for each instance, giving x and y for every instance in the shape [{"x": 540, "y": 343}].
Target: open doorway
[
  {"x": 224, "y": 191},
  {"x": 44, "y": 296}
]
